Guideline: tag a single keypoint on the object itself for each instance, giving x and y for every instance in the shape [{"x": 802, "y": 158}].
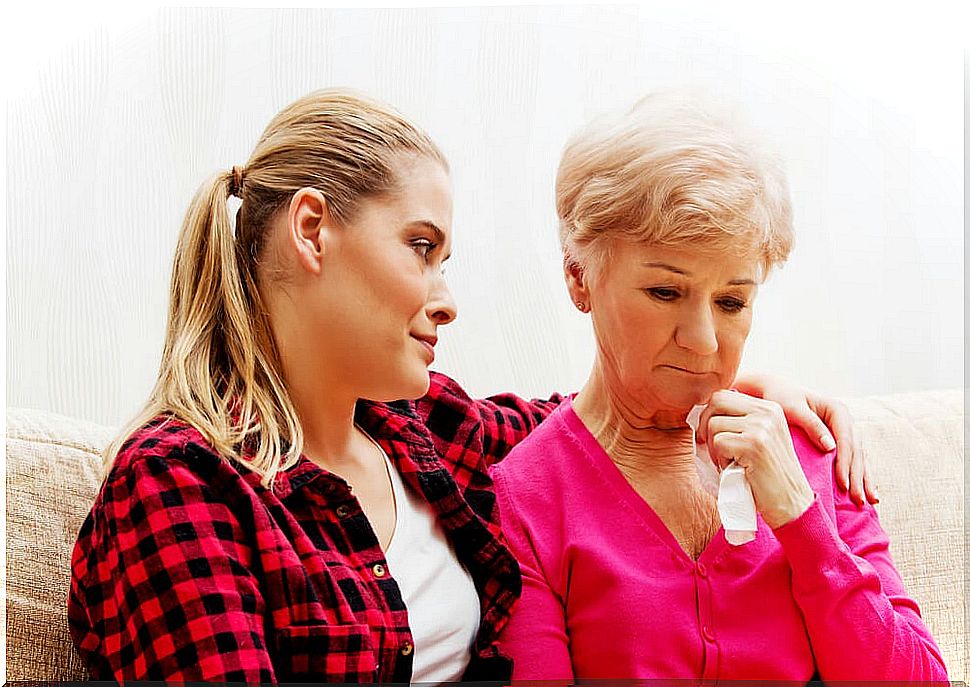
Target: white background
[{"x": 114, "y": 117}]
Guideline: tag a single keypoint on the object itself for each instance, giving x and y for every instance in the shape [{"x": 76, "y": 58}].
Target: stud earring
[{"x": 582, "y": 306}]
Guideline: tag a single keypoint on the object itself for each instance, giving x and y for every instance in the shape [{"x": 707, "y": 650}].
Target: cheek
[
  {"x": 628, "y": 330},
  {"x": 731, "y": 341},
  {"x": 398, "y": 288},
  {"x": 651, "y": 331}
]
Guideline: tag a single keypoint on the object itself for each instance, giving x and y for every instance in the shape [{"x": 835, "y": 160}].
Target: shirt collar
[{"x": 394, "y": 425}]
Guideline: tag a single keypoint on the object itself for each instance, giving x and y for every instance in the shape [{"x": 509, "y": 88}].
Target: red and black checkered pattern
[{"x": 188, "y": 569}]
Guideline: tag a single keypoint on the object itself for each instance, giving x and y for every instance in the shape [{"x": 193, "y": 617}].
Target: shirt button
[
  {"x": 343, "y": 511},
  {"x": 702, "y": 570},
  {"x": 407, "y": 648},
  {"x": 708, "y": 633},
  {"x": 378, "y": 570}
]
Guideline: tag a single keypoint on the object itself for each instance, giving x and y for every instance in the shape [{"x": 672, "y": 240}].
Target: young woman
[{"x": 277, "y": 512}]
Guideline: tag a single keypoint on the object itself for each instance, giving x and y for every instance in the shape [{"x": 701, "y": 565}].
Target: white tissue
[
  {"x": 735, "y": 503},
  {"x": 706, "y": 469}
]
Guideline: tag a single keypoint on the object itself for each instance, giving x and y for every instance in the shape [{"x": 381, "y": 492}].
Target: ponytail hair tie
[{"x": 236, "y": 182}]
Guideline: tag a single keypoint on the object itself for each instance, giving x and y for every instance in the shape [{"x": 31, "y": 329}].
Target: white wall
[{"x": 109, "y": 133}]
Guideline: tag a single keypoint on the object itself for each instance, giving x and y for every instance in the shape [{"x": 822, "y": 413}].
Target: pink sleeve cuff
[{"x": 811, "y": 539}]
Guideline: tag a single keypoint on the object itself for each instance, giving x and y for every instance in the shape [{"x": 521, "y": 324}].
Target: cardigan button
[
  {"x": 708, "y": 633},
  {"x": 379, "y": 570},
  {"x": 407, "y": 648},
  {"x": 701, "y": 569},
  {"x": 343, "y": 511}
]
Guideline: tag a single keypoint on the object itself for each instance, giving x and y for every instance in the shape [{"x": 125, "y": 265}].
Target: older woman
[{"x": 671, "y": 218}]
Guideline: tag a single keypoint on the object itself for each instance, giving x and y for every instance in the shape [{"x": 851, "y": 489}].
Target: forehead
[
  {"x": 419, "y": 200},
  {"x": 696, "y": 262},
  {"x": 423, "y": 192}
]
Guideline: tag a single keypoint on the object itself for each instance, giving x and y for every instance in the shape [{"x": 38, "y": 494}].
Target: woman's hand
[
  {"x": 753, "y": 433},
  {"x": 817, "y": 415}
]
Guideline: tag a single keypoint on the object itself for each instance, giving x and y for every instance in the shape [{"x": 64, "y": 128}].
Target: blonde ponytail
[{"x": 220, "y": 369}]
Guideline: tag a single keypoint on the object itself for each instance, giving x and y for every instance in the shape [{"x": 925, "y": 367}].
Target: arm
[
  {"x": 170, "y": 583},
  {"x": 501, "y": 421},
  {"x": 535, "y": 636},
  {"x": 817, "y": 415},
  {"x": 853, "y": 598},
  {"x": 843, "y": 579}
]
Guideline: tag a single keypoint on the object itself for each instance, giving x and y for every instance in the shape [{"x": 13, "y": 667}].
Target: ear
[
  {"x": 309, "y": 225},
  {"x": 576, "y": 282}
]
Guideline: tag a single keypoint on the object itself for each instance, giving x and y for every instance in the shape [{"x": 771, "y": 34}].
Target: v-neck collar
[{"x": 610, "y": 475}]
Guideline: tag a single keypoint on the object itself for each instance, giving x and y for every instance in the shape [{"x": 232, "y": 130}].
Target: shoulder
[
  {"x": 545, "y": 453},
  {"x": 169, "y": 503},
  {"x": 446, "y": 404},
  {"x": 812, "y": 458},
  {"x": 818, "y": 466},
  {"x": 167, "y": 443},
  {"x": 167, "y": 463},
  {"x": 538, "y": 483},
  {"x": 455, "y": 420}
]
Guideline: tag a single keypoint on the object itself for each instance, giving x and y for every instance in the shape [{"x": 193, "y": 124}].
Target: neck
[
  {"x": 330, "y": 438},
  {"x": 324, "y": 403},
  {"x": 638, "y": 437}
]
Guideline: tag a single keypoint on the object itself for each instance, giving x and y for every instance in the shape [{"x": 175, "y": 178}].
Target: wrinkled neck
[{"x": 655, "y": 442}]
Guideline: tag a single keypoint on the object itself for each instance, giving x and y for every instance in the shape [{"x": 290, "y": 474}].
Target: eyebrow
[
  {"x": 439, "y": 235},
  {"x": 427, "y": 223},
  {"x": 678, "y": 270}
]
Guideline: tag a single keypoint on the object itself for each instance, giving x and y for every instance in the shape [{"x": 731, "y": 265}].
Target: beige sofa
[{"x": 915, "y": 444}]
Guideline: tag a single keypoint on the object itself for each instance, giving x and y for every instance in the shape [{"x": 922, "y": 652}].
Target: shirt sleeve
[
  {"x": 853, "y": 598},
  {"x": 169, "y": 584},
  {"x": 502, "y": 420},
  {"x": 535, "y": 636}
]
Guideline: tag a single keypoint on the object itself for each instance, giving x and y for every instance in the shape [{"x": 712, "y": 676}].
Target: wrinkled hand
[
  {"x": 754, "y": 433},
  {"x": 817, "y": 415}
]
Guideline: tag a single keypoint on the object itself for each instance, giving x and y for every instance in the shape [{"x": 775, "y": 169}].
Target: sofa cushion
[
  {"x": 914, "y": 447},
  {"x": 53, "y": 474}
]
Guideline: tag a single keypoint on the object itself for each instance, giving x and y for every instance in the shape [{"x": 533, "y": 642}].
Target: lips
[
  {"x": 687, "y": 371},
  {"x": 428, "y": 342}
]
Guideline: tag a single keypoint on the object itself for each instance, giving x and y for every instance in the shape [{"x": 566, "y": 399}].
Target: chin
[
  {"x": 686, "y": 398},
  {"x": 420, "y": 388},
  {"x": 412, "y": 388}
]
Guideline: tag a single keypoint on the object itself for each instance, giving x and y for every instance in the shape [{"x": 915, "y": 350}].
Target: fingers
[
  {"x": 798, "y": 406},
  {"x": 850, "y": 463},
  {"x": 724, "y": 402},
  {"x": 856, "y": 478},
  {"x": 857, "y": 475},
  {"x": 836, "y": 416},
  {"x": 872, "y": 492},
  {"x": 803, "y": 416},
  {"x": 726, "y": 447},
  {"x": 733, "y": 437},
  {"x": 726, "y": 423},
  {"x": 843, "y": 463}
]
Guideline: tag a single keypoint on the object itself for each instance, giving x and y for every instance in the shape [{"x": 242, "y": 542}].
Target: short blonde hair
[{"x": 674, "y": 170}]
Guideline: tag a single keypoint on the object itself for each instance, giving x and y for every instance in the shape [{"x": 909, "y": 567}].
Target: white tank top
[{"x": 443, "y": 606}]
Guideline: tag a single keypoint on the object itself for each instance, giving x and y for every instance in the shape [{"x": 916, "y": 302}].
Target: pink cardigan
[{"x": 609, "y": 593}]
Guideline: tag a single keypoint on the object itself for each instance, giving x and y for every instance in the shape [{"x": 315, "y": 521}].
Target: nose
[
  {"x": 697, "y": 331},
  {"x": 441, "y": 307}
]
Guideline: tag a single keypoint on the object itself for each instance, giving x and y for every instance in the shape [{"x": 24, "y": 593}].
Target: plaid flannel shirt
[{"x": 189, "y": 569}]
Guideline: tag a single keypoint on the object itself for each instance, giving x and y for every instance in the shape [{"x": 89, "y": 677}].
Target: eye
[
  {"x": 423, "y": 247},
  {"x": 663, "y": 293},
  {"x": 731, "y": 305}
]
